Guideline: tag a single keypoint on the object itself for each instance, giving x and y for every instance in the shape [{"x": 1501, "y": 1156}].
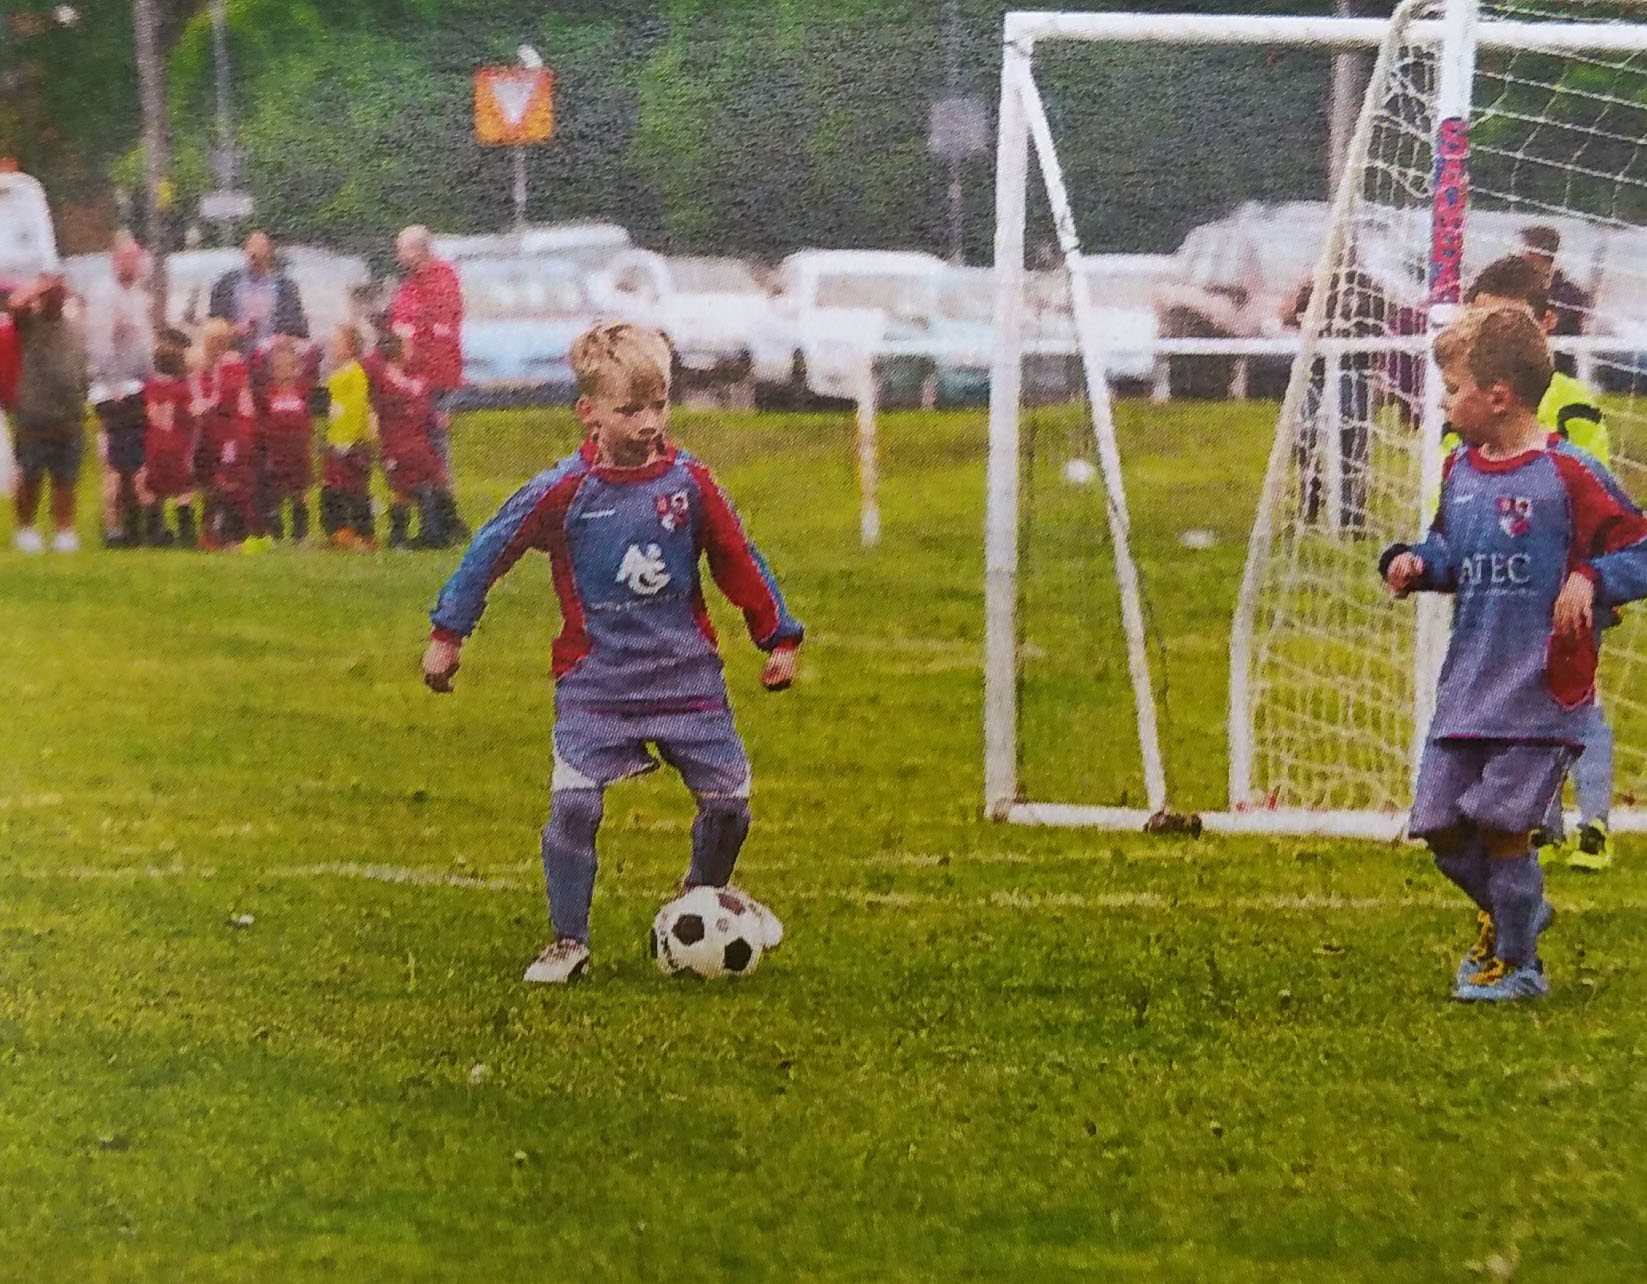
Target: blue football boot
[
  {"x": 1480, "y": 955},
  {"x": 1501, "y": 982}
]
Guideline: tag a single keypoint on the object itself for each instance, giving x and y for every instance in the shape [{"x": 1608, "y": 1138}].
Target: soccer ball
[
  {"x": 1080, "y": 472},
  {"x": 710, "y": 932}
]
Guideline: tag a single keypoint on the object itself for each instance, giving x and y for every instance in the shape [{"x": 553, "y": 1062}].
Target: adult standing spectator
[
  {"x": 1357, "y": 308},
  {"x": 1571, "y": 303},
  {"x": 49, "y": 410},
  {"x": 427, "y": 312},
  {"x": 258, "y": 299},
  {"x": 120, "y": 336}
]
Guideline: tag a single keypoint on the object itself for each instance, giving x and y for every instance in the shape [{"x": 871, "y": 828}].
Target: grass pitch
[{"x": 264, "y": 905}]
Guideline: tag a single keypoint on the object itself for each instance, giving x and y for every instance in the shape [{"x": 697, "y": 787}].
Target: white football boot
[
  {"x": 65, "y": 542},
  {"x": 561, "y": 961},
  {"x": 27, "y": 540}
]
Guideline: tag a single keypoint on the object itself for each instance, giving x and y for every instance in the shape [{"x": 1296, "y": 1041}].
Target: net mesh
[{"x": 1556, "y": 142}]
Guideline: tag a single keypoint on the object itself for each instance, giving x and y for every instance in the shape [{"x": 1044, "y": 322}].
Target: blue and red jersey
[
  {"x": 1506, "y": 537},
  {"x": 624, "y": 545}
]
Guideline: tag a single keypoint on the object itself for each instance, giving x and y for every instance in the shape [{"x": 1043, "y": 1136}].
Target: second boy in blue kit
[
  {"x": 1538, "y": 545},
  {"x": 625, "y": 521}
]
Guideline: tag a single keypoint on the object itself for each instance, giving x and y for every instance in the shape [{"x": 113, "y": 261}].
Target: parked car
[
  {"x": 726, "y": 332},
  {"x": 588, "y": 245},
  {"x": 843, "y": 306},
  {"x": 1120, "y": 287},
  {"x": 28, "y": 245},
  {"x": 520, "y": 315}
]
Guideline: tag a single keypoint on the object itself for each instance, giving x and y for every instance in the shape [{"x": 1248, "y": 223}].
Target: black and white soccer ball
[{"x": 710, "y": 931}]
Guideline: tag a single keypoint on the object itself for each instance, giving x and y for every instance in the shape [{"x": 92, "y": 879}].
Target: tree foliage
[{"x": 703, "y": 125}]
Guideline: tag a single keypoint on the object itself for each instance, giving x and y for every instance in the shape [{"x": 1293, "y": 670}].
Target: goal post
[{"x": 1331, "y": 687}]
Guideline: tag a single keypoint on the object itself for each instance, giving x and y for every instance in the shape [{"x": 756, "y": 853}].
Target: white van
[{"x": 844, "y": 305}]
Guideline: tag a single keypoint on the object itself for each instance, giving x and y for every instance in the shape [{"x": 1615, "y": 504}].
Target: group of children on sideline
[
  {"x": 236, "y": 435},
  {"x": 215, "y": 446}
]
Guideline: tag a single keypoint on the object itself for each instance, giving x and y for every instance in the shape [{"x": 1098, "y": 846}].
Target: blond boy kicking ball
[
  {"x": 1537, "y": 545},
  {"x": 625, "y": 521}
]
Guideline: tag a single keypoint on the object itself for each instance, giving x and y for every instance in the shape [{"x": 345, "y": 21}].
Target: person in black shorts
[{"x": 47, "y": 419}]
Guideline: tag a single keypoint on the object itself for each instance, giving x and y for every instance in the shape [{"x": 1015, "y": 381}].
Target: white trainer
[
  {"x": 65, "y": 542},
  {"x": 27, "y": 540},
  {"x": 561, "y": 961}
]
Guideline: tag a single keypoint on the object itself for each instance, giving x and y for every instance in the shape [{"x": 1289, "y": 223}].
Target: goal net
[{"x": 1480, "y": 121}]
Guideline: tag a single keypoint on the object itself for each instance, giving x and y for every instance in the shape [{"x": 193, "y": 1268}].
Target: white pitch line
[{"x": 1158, "y": 902}]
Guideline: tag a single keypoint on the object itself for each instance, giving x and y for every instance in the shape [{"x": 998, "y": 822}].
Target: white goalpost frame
[{"x": 1022, "y": 122}]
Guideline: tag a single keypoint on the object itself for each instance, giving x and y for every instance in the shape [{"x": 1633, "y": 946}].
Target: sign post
[{"x": 515, "y": 107}]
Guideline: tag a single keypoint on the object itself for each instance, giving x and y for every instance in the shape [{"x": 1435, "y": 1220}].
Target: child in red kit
[
  {"x": 170, "y": 440},
  {"x": 223, "y": 406},
  {"x": 411, "y": 465},
  {"x": 286, "y": 437}
]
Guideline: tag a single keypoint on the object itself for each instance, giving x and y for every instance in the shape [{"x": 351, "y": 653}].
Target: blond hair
[
  {"x": 620, "y": 359},
  {"x": 216, "y": 338},
  {"x": 1499, "y": 345}
]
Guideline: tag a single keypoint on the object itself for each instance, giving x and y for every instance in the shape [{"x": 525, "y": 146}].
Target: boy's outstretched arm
[
  {"x": 525, "y": 521},
  {"x": 748, "y": 582}
]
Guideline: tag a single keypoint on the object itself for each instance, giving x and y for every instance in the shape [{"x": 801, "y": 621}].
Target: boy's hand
[
  {"x": 1404, "y": 573},
  {"x": 440, "y": 665},
  {"x": 779, "y": 670},
  {"x": 1573, "y": 605}
]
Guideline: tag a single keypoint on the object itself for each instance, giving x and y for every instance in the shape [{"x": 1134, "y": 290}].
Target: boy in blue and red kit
[
  {"x": 624, "y": 522},
  {"x": 1538, "y": 546}
]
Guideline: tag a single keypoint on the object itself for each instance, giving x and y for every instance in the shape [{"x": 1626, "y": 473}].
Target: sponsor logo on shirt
[
  {"x": 643, "y": 570},
  {"x": 1499, "y": 570},
  {"x": 1515, "y": 515}
]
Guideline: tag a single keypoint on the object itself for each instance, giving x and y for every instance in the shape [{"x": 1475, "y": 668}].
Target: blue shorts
[
  {"x": 594, "y": 749},
  {"x": 1492, "y": 784}
]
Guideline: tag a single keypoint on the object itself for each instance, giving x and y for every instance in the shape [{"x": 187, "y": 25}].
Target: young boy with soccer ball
[
  {"x": 625, "y": 521},
  {"x": 1538, "y": 545}
]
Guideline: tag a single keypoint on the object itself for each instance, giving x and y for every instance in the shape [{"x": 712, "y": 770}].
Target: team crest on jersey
[
  {"x": 673, "y": 510},
  {"x": 1515, "y": 514},
  {"x": 643, "y": 570}
]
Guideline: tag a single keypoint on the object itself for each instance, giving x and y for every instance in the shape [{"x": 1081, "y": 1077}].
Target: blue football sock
[
  {"x": 569, "y": 859},
  {"x": 1467, "y": 866},
  {"x": 1593, "y": 772},
  {"x": 1517, "y": 887},
  {"x": 718, "y": 832}
]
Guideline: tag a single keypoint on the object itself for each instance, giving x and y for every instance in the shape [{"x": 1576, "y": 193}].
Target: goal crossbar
[{"x": 1025, "y": 28}]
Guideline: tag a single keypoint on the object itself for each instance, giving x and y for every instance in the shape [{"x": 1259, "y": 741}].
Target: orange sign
[{"x": 514, "y": 105}]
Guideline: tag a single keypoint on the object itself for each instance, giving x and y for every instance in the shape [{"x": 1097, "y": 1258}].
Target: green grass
[{"x": 985, "y": 1053}]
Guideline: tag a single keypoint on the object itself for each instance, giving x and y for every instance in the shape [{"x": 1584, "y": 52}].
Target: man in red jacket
[{"x": 428, "y": 310}]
